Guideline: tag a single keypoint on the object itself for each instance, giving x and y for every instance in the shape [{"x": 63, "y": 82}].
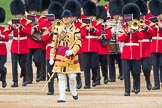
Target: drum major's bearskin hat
[
  {"x": 143, "y": 6},
  {"x": 101, "y": 13},
  {"x": 155, "y": 7},
  {"x": 115, "y": 7},
  {"x": 128, "y": 1},
  {"x": 33, "y": 5},
  {"x": 131, "y": 8},
  {"x": 56, "y": 9},
  {"x": 74, "y": 6},
  {"x": 89, "y": 8},
  {"x": 45, "y": 4},
  {"x": 17, "y": 7},
  {"x": 62, "y": 2},
  {"x": 2, "y": 15}
]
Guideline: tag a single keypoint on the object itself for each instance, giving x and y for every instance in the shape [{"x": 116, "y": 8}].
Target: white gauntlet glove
[
  {"x": 68, "y": 53},
  {"x": 51, "y": 61}
]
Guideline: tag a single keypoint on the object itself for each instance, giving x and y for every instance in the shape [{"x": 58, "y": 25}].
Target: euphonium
[{"x": 134, "y": 24}]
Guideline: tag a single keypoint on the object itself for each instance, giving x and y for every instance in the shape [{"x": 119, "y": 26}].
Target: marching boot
[
  {"x": 148, "y": 84},
  {"x": 106, "y": 80},
  {"x": 79, "y": 81},
  {"x": 15, "y": 84},
  {"x": 3, "y": 78},
  {"x": 62, "y": 88},
  {"x": 24, "y": 83},
  {"x": 147, "y": 79},
  {"x": 73, "y": 83}
]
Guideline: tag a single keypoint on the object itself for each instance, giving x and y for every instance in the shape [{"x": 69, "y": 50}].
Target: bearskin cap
[
  {"x": 55, "y": 8},
  {"x": 33, "y": 5},
  {"x": 128, "y": 1},
  {"x": 115, "y": 7},
  {"x": 131, "y": 8},
  {"x": 74, "y": 6},
  {"x": 155, "y": 7},
  {"x": 2, "y": 15},
  {"x": 101, "y": 13},
  {"x": 62, "y": 2},
  {"x": 45, "y": 4},
  {"x": 17, "y": 7},
  {"x": 89, "y": 8},
  {"x": 143, "y": 6}
]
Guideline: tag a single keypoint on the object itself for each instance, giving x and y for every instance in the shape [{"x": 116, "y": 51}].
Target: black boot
[
  {"x": 3, "y": 78},
  {"x": 15, "y": 84},
  {"x": 79, "y": 81}
]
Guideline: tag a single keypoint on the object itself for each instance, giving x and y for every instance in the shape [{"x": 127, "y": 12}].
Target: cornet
[{"x": 16, "y": 23}]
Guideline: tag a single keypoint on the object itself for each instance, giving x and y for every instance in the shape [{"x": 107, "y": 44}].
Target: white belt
[
  {"x": 50, "y": 45},
  {"x": 2, "y": 42},
  {"x": 159, "y": 38},
  {"x": 131, "y": 44},
  {"x": 91, "y": 37},
  {"x": 144, "y": 40},
  {"x": 19, "y": 38}
]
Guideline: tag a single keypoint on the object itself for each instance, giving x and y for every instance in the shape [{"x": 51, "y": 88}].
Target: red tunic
[
  {"x": 4, "y": 38},
  {"x": 108, "y": 36},
  {"x": 19, "y": 43},
  {"x": 145, "y": 43},
  {"x": 31, "y": 42},
  {"x": 90, "y": 40},
  {"x": 131, "y": 49},
  {"x": 156, "y": 45}
]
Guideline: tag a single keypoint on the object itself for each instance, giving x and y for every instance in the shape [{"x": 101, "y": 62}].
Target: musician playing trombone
[
  {"x": 19, "y": 47},
  {"x": 66, "y": 43}
]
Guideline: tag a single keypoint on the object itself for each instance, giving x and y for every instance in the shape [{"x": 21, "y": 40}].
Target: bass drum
[{"x": 114, "y": 48}]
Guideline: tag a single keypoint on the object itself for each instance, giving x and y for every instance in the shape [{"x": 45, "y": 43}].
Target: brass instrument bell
[{"x": 134, "y": 24}]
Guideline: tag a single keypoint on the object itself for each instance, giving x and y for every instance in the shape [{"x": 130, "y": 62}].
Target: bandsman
[
  {"x": 35, "y": 46},
  {"x": 156, "y": 48},
  {"x": 3, "y": 49},
  {"x": 104, "y": 39},
  {"x": 115, "y": 10},
  {"x": 131, "y": 51},
  {"x": 66, "y": 43},
  {"x": 19, "y": 47},
  {"x": 90, "y": 43}
]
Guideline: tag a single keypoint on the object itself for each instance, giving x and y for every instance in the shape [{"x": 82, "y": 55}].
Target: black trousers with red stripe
[
  {"x": 133, "y": 67},
  {"x": 3, "y": 69}
]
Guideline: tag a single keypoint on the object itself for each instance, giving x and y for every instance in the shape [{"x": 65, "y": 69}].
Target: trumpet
[
  {"x": 17, "y": 26},
  {"x": 141, "y": 22},
  {"x": 16, "y": 23},
  {"x": 134, "y": 24}
]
